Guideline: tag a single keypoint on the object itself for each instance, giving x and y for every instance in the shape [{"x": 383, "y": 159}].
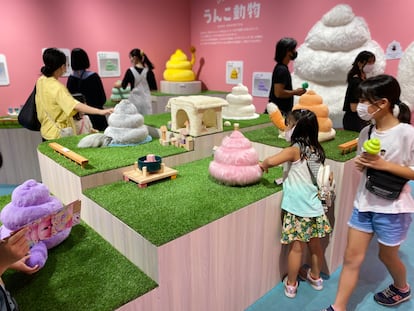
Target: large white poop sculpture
[
  {"x": 405, "y": 76},
  {"x": 328, "y": 52}
]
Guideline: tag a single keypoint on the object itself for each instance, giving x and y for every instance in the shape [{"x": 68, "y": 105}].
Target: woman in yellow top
[{"x": 55, "y": 105}]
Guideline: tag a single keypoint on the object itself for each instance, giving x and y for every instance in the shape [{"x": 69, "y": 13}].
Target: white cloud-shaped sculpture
[
  {"x": 405, "y": 76},
  {"x": 327, "y": 54}
]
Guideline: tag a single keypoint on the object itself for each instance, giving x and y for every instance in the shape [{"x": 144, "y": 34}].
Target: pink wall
[
  {"x": 386, "y": 20},
  {"x": 26, "y": 27},
  {"x": 104, "y": 25}
]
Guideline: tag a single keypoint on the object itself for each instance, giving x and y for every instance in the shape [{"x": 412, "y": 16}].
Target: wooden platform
[
  {"x": 143, "y": 178},
  {"x": 225, "y": 255}
]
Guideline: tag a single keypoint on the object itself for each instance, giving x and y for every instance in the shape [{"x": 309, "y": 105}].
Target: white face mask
[
  {"x": 288, "y": 134},
  {"x": 368, "y": 68},
  {"x": 362, "y": 110}
]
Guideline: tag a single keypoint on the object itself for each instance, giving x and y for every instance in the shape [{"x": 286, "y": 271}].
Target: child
[
  {"x": 388, "y": 219},
  {"x": 304, "y": 221},
  {"x": 83, "y": 124},
  {"x": 141, "y": 78}
]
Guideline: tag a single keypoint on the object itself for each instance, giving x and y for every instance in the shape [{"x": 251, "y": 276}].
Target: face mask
[
  {"x": 362, "y": 110},
  {"x": 368, "y": 68},
  {"x": 294, "y": 55},
  {"x": 288, "y": 134}
]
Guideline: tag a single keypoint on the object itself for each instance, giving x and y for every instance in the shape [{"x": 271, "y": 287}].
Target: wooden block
[
  {"x": 82, "y": 161},
  {"x": 348, "y": 146}
]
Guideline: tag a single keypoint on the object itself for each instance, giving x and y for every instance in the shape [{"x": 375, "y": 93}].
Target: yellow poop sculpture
[{"x": 179, "y": 68}]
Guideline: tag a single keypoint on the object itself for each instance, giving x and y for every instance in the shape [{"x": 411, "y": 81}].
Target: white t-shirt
[{"x": 397, "y": 146}]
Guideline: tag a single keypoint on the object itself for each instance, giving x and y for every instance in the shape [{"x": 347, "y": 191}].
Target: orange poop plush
[{"x": 313, "y": 102}]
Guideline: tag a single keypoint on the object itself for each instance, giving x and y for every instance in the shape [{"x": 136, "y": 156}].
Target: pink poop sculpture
[{"x": 236, "y": 162}]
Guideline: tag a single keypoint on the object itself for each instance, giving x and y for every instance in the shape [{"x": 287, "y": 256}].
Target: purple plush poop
[{"x": 30, "y": 201}]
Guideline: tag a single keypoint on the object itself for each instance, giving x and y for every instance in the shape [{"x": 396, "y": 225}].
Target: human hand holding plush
[
  {"x": 21, "y": 265},
  {"x": 13, "y": 249}
]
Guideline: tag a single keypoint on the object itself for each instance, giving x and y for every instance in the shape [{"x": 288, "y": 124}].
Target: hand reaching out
[
  {"x": 20, "y": 265},
  {"x": 13, "y": 249}
]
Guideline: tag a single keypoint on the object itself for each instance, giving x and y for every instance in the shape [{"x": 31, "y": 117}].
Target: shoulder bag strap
[
  {"x": 370, "y": 130},
  {"x": 311, "y": 174}
]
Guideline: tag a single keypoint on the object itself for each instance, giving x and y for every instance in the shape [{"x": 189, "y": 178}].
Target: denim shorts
[{"x": 391, "y": 229}]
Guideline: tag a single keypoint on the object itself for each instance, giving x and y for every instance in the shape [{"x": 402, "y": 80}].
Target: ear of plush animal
[{"x": 153, "y": 132}]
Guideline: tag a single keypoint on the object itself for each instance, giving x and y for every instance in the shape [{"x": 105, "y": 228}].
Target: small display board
[
  {"x": 261, "y": 83},
  {"x": 4, "y": 74},
  {"x": 109, "y": 64},
  {"x": 234, "y": 72}
]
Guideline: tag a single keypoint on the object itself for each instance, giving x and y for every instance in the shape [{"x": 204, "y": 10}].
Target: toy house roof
[{"x": 197, "y": 102}]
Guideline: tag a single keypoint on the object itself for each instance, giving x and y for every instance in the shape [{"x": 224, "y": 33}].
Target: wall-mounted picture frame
[
  {"x": 109, "y": 64},
  {"x": 394, "y": 50},
  {"x": 261, "y": 83},
  {"x": 234, "y": 72},
  {"x": 4, "y": 73}
]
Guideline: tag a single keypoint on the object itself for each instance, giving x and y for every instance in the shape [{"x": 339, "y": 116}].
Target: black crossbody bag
[{"x": 384, "y": 184}]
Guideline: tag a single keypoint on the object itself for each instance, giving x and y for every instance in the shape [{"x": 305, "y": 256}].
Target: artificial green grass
[
  {"x": 168, "y": 209},
  {"x": 157, "y": 120},
  {"x": 105, "y": 158},
  {"x": 6, "y": 122},
  {"x": 84, "y": 272},
  {"x": 269, "y": 136}
]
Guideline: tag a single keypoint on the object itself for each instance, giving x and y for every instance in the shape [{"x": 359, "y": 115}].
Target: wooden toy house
[{"x": 198, "y": 114}]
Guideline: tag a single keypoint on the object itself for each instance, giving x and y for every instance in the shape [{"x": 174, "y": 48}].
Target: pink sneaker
[
  {"x": 305, "y": 275},
  {"x": 290, "y": 291}
]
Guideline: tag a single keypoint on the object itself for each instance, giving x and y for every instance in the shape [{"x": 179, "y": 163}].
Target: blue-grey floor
[
  {"x": 373, "y": 278},
  {"x": 6, "y": 189}
]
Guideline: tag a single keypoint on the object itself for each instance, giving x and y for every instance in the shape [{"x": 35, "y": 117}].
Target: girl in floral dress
[{"x": 304, "y": 221}]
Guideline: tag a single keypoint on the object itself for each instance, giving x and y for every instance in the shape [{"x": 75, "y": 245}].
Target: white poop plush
[{"x": 125, "y": 127}]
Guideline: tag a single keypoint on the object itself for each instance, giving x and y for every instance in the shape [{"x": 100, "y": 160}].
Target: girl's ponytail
[
  {"x": 402, "y": 112},
  {"x": 147, "y": 62}
]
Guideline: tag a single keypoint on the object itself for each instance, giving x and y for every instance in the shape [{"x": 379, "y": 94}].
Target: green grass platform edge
[
  {"x": 171, "y": 208},
  {"x": 84, "y": 272},
  {"x": 105, "y": 158},
  {"x": 108, "y": 158}
]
